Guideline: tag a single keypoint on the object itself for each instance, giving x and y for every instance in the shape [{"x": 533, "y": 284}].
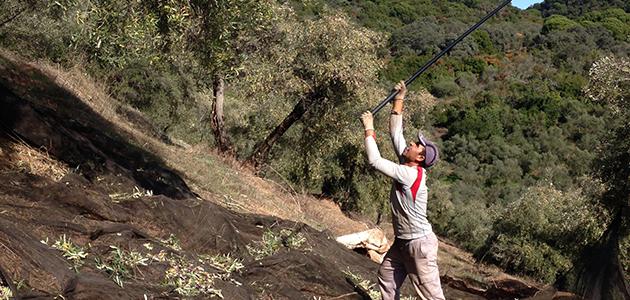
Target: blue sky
[{"x": 522, "y": 4}]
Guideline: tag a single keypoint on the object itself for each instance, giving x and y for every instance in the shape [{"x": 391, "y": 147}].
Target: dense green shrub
[
  {"x": 486, "y": 45},
  {"x": 444, "y": 87},
  {"x": 422, "y": 37},
  {"x": 483, "y": 123},
  {"x": 38, "y": 29},
  {"x": 403, "y": 65},
  {"x": 167, "y": 95},
  {"x": 441, "y": 209},
  {"x": 544, "y": 231},
  {"x": 576, "y": 8},
  {"x": 530, "y": 257},
  {"x": 558, "y": 23},
  {"x": 470, "y": 226},
  {"x": 474, "y": 65}
]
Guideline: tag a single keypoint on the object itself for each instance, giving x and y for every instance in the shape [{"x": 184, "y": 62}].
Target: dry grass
[
  {"x": 225, "y": 181},
  {"x": 18, "y": 156},
  {"x": 457, "y": 263},
  {"x": 83, "y": 86}
]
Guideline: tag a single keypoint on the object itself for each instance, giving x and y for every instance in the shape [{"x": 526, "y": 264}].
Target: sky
[{"x": 522, "y": 4}]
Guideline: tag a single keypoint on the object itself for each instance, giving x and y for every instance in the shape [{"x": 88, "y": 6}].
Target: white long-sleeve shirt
[{"x": 408, "y": 196}]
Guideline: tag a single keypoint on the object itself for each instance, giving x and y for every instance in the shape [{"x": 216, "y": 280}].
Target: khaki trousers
[{"x": 417, "y": 259}]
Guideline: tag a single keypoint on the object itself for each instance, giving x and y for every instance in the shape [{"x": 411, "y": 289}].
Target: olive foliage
[{"x": 309, "y": 77}]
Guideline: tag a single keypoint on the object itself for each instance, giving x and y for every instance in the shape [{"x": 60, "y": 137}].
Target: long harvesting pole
[{"x": 439, "y": 55}]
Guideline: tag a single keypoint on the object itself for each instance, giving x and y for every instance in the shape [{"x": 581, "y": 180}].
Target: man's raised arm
[
  {"x": 395, "y": 120},
  {"x": 398, "y": 172}
]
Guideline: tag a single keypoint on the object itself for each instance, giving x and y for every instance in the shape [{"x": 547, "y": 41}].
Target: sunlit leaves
[{"x": 610, "y": 81}]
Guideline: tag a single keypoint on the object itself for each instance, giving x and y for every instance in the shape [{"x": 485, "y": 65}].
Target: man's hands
[
  {"x": 368, "y": 120},
  {"x": 402, "y": 90}
]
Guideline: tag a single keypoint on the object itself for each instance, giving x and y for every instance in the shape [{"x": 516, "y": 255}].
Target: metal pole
[{"x": 439, "y": 55}]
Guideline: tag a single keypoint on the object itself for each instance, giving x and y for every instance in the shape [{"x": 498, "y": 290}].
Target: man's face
[{"x": 414, "y": 152}]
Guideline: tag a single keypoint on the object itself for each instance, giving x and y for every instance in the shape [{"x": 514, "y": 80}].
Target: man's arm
[
  {"x": 395, "y": 120},
  {"x": 398, "y": 172}
]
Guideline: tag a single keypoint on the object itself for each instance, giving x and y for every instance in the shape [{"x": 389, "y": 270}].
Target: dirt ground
[{"x": 87, "y": 213}]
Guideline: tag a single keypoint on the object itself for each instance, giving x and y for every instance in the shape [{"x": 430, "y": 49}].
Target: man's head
[
  {"x": 422, "y": 152},
  {"x": 414, "y": 153}
]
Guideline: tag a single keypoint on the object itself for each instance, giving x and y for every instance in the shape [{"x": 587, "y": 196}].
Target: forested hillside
[{"x": 530, "y": 111}]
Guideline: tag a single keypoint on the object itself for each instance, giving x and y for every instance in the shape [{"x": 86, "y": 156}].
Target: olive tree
[
  {"x": 602, "y": 275},
  {"x": 217, "y": 26},
  {"x": 325, "y": 67},
  {"x": 200, "y": 35}
]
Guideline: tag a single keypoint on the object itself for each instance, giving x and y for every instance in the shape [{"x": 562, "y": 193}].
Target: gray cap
[{"x": 431, "y": 155}]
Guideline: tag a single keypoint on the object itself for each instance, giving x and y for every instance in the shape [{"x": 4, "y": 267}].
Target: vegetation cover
[{"x": 530, "y": 111}]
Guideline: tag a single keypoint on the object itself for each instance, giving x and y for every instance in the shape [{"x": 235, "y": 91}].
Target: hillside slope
[{"x": 92, "y": 208}]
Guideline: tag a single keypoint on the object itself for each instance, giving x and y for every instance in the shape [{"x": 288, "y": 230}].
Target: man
[{"x": 414, "y": 252}]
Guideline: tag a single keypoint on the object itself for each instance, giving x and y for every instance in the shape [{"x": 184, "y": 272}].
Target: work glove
[
  {"x": 368, "y": 120},
  {"x": 402, "y": 90}
]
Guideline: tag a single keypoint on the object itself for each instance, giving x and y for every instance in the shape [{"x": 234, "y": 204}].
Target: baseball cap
[{"x": 431, "y": 155}]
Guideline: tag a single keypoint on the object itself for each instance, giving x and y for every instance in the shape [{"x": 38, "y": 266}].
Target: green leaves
[
  {"x": 216, "y": 26},
  {"x": 72, "y": 252},
  {"x": 113, "y": 32},
  {"x": 543, "y": 232},
  {"x": 271, "y": 242},
  {"x": 329, "y": 66},
  {"x": 558, "y": 23},
  {"x": 121, "y": 264}
]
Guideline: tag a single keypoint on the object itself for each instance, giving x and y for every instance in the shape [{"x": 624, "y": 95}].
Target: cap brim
[{"x": 421, "y": 139}]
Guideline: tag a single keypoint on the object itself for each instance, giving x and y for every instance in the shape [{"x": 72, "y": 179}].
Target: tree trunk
[
  {"x": 261, "y": 153},
  {"x": 218, "y": 126},
  {"x": 602, "y": 275}
]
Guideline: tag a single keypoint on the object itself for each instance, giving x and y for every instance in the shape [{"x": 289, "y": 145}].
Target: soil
[{"x": 85, "y": 207}]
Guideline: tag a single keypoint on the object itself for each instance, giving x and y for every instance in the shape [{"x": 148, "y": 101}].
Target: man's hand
[
  {"x": 368, "y": 120},
  {"x": 402, "y": 90},
  {"x": 397, "y": 106}
]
